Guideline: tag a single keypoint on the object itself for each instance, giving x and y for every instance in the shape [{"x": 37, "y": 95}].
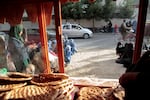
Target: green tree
[
  {"x": 72, "y": 11},
  {"x": 108, "y": 10},
  {"x": 96, "y": 10},
  {"x": 77, "y": 11},
  {"x": 126, "y": 9},
  {"x": 82, "y": 9},
  {"x": 66, "y": 10},
  {"x": 93, "y": 11}
]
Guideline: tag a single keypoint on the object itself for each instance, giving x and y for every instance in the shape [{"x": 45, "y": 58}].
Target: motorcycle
[{"x": 106, "y": 29}]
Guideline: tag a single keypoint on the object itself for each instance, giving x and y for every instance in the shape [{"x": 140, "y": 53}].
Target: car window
[
  {"x": 75, "y": 27},
  {"x": 66, "y": 27}
]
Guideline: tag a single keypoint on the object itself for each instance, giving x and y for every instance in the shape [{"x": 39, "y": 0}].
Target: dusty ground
[{"x": 95, "y": 58}]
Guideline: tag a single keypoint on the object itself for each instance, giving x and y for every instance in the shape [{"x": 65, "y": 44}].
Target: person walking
[{"x": 125, "y": 29}]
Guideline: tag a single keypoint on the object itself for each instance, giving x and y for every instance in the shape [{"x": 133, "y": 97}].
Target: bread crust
[{"x": 90, "y": 93}]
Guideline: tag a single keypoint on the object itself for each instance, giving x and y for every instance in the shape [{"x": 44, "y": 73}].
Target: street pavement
[{"x": 96, "y": 58}]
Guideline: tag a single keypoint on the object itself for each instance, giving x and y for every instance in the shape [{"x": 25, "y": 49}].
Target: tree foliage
[
  {"x": 126, "y": 9},
  {"x": 82, "y": 9},
  {"x": 66, "y": 10},
  {"x": 95, "y": 10},
  {"x": 108, "y": 9}
]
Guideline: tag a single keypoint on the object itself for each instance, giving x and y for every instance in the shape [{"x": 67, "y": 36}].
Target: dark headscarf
[{"x": 15, "y": 30}]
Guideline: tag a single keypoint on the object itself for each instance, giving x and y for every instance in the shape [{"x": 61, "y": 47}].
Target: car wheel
[{"x": 86, "y": 36}]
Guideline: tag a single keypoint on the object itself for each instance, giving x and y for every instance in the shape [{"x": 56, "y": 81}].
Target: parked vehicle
[
  {"x": 34, "y": 35},
  {"x": 75, "y": 30},
  {"x": 68, "y": 30}
]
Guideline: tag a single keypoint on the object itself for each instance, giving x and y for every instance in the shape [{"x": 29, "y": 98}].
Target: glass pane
[
  {"x": 146, "y": 41},
  {"x": 97, "y": 56},
  {"x": 24, "y": 53}
]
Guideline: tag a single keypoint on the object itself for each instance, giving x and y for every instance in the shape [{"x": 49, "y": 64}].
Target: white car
[{"x": 75, "y": 30}]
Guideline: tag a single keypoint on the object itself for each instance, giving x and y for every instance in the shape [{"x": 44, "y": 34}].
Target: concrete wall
[
  {"x": 97, "y": 23},
  {"x": 84, "y": 22}
]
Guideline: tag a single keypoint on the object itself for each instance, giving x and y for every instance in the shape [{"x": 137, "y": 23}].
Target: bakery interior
[{"x": 48, "y": 85}]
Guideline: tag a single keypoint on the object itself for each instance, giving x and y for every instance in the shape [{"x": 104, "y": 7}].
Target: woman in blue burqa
[{"x": 17, "y": 48}]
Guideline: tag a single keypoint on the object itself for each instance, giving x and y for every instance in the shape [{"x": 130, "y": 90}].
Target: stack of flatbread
[
  {"x": 61, "y": 82},
  {"x": 15, "y": 77},
  {"x": 13, "y": 80},
  {"x": 44, "y": 87}
]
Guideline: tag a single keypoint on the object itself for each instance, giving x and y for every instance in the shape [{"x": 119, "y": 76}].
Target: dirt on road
[{"x": 95, "y": 58}]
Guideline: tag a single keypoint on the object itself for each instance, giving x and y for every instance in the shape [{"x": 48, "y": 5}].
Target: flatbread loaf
[
  {"x": 8, "y": 87},
  {"x": 90, "y": 93},
  {"x": 15, "y": 77},
  {"x": 31, "y": 92},
  {"x": 49, "y": 79}
]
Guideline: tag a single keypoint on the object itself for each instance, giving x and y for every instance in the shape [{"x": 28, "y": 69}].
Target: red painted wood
[
  {"x": 143, "y": 4},
  {"x": 21, "y": 2},
  {"x": 24, "y": 2},
  {"x": 58, "y": 24},
  {"x": 43, "y": 37}
]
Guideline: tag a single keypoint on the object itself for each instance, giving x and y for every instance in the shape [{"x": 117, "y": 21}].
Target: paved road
[{"x": 95, "y": 58}]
